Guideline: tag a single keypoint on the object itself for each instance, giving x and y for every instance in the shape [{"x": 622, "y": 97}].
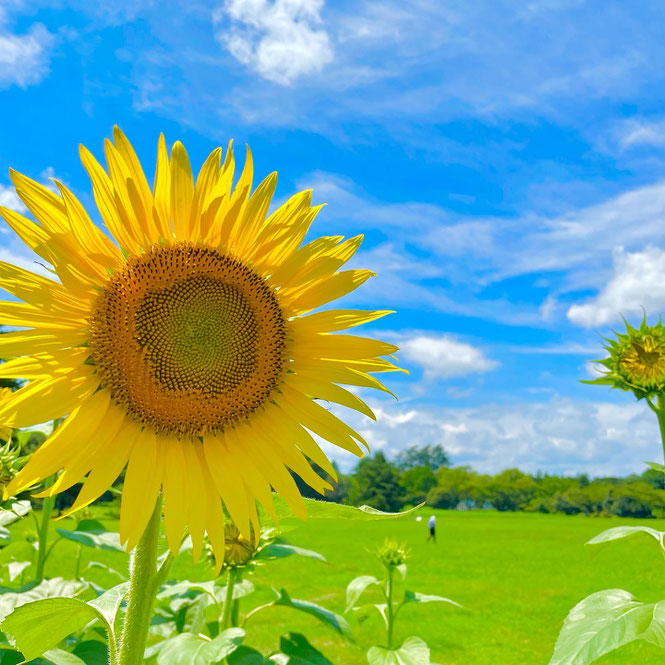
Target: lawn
[{"x": 516, "y": 574}]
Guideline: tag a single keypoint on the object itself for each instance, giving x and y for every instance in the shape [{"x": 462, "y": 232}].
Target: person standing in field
[{"x": 431, "y": 525}]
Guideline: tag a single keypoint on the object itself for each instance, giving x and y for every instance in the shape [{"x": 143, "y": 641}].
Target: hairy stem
[
  {"x": 390, "y": 618},
  {"x": 144, "y": 582},
  {"x": 42, "y": 541},
  {"x": 228, "y": 601}
]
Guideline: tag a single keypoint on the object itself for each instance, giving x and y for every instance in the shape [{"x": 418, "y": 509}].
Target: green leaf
[
  {"x": 60, "y": 657},
  {"x": 356, "y": 588},
  {"x": 618, "y": 532},
  {"x": 296, "y": 650},
  {"x": 656, "y": 467},
  {"x": 93, "y": 534},
  {"x": 15, "y": 568},
  {"x": 197, "y": 650},
  {"x": 605, "y": 621},
  {"x": 92, "y": 652},
  {"x": 41, "y": 625},
  {"x": 16, "y": 510},
  {"x": 415, "y": 597},
  {"x": 108, "y": 604},
  {"x": 247, "y": 656},
  {"x": 53, "y": 588},
  {"x": 335, "y": 621},
  {"x": 279, "y": 550},
  {"x": 412, "y": 652}
]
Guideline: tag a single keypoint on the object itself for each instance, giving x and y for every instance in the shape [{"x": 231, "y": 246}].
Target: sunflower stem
[
  {"x": 390, "y": 619},
  {"x": 144, "y": 581},
  {"x": 661, "y": 420},
  {"x": 42, "y": 541},
  {"x": 228, "y": 600}
]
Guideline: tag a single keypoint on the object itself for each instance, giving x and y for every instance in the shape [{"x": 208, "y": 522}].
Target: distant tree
[
  {"x": 417, "y": 481},
  {"x": 458, "y": 485},
  {"x": 433, "y": 456},
  {"x": 511, "y": 490},
  {"x": 376, "y": 483}
]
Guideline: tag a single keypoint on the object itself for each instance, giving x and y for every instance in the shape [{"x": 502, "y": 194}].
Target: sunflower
[
  {"x": 181, "y": 344},
  {"x": 636, "y": 361}
]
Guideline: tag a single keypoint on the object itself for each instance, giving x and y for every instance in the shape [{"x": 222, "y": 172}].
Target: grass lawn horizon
[{"x": 516, "y": 574}]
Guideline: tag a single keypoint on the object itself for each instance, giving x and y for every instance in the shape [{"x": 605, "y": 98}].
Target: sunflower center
[
  {"x": 643, "y": 362},
  {"x": 188, "y": 340}
]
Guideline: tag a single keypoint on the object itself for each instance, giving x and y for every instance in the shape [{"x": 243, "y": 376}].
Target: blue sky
[{"x": 506, "y": 162}]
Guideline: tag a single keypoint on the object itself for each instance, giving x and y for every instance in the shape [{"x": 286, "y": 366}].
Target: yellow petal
[
  {"x": 143, "y": 480},
  {"x": 336, "y": 319},
  {"x": 321, "y": 389},
  {"x": 332, "y": 288},
  {"x": 175, "y": 491},
  {"x": 228, "y": 482},
  {"x": 253, "y": 217},
  {"x": 102, "y": 476},
  {"x": 60, "y": 447},
  {"x": 45, "y": 365},
  {"x": 182, "y": 191},
  {"x": 23, "y": 342},
  {"x": 91, "y": 449},
  {"x": 320, "y": 421},
  {"x": 106, "y": 201},
  {"x": 196, "y": 498},
  {"x": 342, "y": 347},
  {"x": 162, "y": 188},
  {"x": 48, "y": 399},
  {"x": 205, "y": 184}
]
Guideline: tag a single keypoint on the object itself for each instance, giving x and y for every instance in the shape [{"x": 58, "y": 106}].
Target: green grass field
[{"x": 516, "y": 574}]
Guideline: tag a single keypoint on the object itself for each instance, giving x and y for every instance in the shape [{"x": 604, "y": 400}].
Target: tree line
[{"x": 425, "y": 474}]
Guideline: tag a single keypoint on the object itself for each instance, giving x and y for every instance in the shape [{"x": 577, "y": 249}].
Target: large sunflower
[{"x": 182, "y": 348}]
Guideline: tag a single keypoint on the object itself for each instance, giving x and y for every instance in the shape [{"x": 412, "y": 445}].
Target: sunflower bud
[
  {"x": 5, "y": 432},
  {"x": 393, "y": 554},
  {"x": 238, "y": 550},
  {"x": 9, "y": 455},
  {"x": 636, "y": 361}
]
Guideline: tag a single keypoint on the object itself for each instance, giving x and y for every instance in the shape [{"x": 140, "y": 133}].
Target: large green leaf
[
  {"x": 415, "y": 597},
  {"x": 93, "y": 534},
  {"x": 656, "y": 467},
  {"x": 329, "y": 618},
  {"x": 41, "y": 625},
  {"x": 296, "y": 650},
  {"x": 605, "y": 621},
  {"x": 53, "y": 588},
  {"x": 356, "y": 588},
  {"x": 618, "y": 532},
  {"x": 197, "y": 650},
  {"x": 327, "y": 510},
  {"x": 279, "y": 550},
  {"x": 412, "y": 652}
]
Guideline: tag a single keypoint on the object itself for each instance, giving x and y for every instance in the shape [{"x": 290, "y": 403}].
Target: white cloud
[
  {"x": 444, "y": 357},
  {"x": 281, "y": 40},
  {"x": 24, "y": 59},
  {"x": 637, "y": 281},
  {"x": 9, "y": 199},
  {"x": 556, "y": 436}
]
